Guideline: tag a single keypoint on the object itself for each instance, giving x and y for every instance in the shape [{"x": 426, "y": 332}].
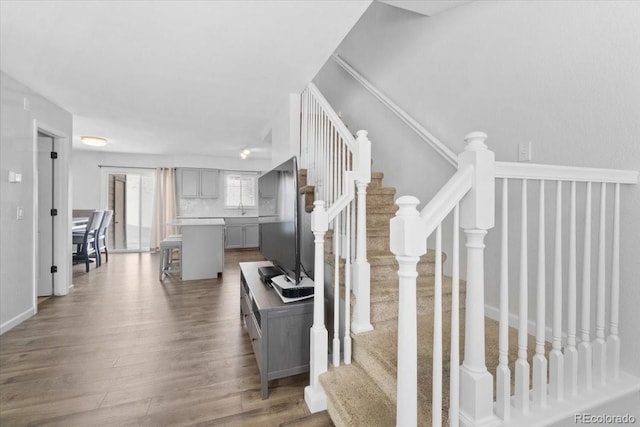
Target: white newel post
[
  {"x": 361, "y": 268},
  {"x": 408, "y": 243},
  {"x": 314, "y": 394},
  {"x": 477, "y": 215}
]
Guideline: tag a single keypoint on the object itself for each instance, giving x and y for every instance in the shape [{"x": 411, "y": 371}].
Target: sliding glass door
[{"x": 129, "y": 193}]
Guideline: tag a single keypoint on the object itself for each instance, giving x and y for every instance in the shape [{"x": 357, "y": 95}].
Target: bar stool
[{"x": 167, "y": 248}]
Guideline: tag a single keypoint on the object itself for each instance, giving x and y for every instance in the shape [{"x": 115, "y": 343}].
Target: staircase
[
  {"x": 364, "y": 392},
  {"x": 403, "y": 361}
]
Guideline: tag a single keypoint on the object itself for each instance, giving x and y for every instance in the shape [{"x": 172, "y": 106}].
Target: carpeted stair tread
[
  {"x": 383, "y": 257},
  {"x": 354, "y": 400},
  {"x": 382, "y": 292},
  {"x": 380, "y": 190},
  {"x": 376, "y": 353},
  {"x": 383, "y": 209}
]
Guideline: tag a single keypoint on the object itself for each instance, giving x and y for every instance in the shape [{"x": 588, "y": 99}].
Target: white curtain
[{"x": 165, "y": 206}]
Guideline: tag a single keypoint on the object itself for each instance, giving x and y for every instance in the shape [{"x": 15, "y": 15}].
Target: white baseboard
[
  {"x": 11, "y": 323},
  {"x": 494, "y": 313}
]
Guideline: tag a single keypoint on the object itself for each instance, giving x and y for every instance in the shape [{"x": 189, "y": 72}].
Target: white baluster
[
  {"x": 613, "y": 340},
  {"x": 599, "y": 344},
  {"x": 584, "y": 348},
  {"x": 436, "y": 378},
  {"x": 333, "y": 166},
  {"x": 454, "y": 362},
  {"x": 314, "y": 394},
  {"x": 323, "y": 156},
  {"x": 336, "y": 294},
  {"x": 476, "y": 217},
  {"x": 556, "y": 358},
  {"x": 503, "y": 373},
  {"x": 570, "y": 351},
  {"x": 539, "y": 386},
  {"x": 347, "y": 292},
  {"x": 313, "y": 171},
  {"x": 361, "y": 266},
  {"x": 522, "y": 364},
  {"x": 304, "y": 145},
  {"x": 408, "y": 242}
]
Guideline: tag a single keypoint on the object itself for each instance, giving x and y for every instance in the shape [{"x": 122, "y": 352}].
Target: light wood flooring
[{"x": 123, "y": 349}]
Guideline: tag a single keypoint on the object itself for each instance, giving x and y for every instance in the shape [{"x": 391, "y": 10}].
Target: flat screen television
[{"x": 281, "y": 221}]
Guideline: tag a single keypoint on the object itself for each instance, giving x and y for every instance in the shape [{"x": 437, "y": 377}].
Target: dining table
[{"x": 79, "y": 224}]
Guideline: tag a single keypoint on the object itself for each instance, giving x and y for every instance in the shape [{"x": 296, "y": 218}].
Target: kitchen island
[{"x": 202, "y": 247}]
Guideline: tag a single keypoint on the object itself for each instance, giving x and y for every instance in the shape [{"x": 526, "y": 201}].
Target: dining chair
[
  {"x": 86, "y": 242},
  {"x": 101, "y": 241}
]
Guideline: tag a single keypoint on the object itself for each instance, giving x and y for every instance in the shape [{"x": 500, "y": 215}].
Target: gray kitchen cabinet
[
  {"x": 242, "y": 233},
  {"x": 198, "y": 183},
  {"x": 235, "y": 236},
  {"x": 251, "y": 236},
  {"x": 268, "y": 186},
  {"x": 209, "y": 183},
  {"x": 189, "y": 183}
]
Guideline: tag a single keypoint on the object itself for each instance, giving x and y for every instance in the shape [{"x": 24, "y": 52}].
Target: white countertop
[{"x": 197, "y": 221}]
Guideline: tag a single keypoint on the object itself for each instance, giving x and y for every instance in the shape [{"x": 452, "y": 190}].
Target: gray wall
[
  {"x": 562, "y": 74},
  {"x": 17, "y": 298}
]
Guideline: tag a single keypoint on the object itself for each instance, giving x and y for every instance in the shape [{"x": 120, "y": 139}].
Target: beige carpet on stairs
[
  {"x": 375, "y": 356},
  {"x": 364, "y": 393}
]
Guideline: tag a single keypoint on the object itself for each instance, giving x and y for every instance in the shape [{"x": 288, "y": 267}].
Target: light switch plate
[
  {"x": 20, "y": 212},
  {"x": 524, "y": 151}
]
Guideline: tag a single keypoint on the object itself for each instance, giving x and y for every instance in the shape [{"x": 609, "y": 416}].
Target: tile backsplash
[{"x": 210, "y": 208}]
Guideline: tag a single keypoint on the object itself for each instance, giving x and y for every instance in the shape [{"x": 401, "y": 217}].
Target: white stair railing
[
  {"x": 337, "y": 164},
  {"x": 586, "y": 371}
]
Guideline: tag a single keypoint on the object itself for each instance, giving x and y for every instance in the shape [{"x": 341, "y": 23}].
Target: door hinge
[
  {"x": 54, "y": 154},
  {"x": 54, "y": 269},
  {"x": 54, "y": 212}
]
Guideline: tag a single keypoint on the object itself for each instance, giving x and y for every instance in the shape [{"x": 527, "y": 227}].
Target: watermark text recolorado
[{"x": 587, "y": 418}]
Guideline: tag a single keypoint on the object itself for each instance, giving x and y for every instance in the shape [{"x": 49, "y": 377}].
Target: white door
[{"x": 45, "y": 220}]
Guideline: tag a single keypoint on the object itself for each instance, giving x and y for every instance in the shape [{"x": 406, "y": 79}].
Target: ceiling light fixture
[
  {"x": 245, "y": 153},
  {"x": 94, "y": 141}
]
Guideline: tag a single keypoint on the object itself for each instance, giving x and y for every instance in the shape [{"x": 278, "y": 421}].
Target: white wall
[
  {"x": 285, "y": 131},
  {"x": 563, "y": 75},
  {"x": 20, "y": 111},
  {"x": 85, "y": 169}
]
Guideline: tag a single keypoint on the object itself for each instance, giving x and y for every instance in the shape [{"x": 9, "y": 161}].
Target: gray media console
[{"x": 279, "y": 332}]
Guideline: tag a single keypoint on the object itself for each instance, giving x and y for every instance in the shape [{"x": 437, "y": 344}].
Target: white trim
[
  {"x": 585, "y": 401},
  {"x": 494, "y": 313},
  {"x": 62, "y": 201},
  {"x": 429, "y": 138},
  {"x": 16, "y": 320},
  {"x": 534, "y": 171}
]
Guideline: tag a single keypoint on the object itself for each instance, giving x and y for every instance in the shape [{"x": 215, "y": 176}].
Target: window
[{"x": 240, "y": 190}]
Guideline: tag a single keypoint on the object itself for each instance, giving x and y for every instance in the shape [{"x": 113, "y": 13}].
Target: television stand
[{"x": 279, "y": 332}]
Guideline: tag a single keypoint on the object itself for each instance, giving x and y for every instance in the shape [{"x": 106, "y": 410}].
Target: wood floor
[{"x": 123, "y": 349}]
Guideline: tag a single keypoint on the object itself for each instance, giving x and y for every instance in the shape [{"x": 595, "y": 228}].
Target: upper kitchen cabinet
[
  {"x": 198, "y": 183},
  {"x": 268, "y": 186},
  {"x": 209, "y": 183}
]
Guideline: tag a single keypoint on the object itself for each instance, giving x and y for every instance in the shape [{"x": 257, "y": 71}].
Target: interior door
[
  {"x": 119, "y": 221},
  {"x": 45, "y": 220}
]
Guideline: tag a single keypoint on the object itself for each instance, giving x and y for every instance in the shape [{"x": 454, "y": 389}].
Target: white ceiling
[{"x": 172, "y": 77}]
